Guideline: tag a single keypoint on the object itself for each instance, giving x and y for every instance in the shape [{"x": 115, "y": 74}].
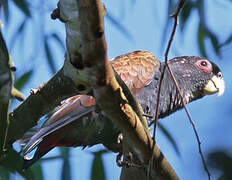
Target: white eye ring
[{"x": 219, "y": 74}]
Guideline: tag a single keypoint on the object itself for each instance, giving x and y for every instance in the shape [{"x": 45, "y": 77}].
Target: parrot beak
[{"x": 215, "y": 85}]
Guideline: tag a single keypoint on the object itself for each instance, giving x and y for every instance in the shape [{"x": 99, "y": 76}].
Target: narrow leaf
[
  {"x": 66, "y": 170},
  {"x": 98, "y": 170},
  {"x": 228, "y": 41},
  {"x": 201, "y": 40},
  {"x": 4, "y": 174},
  {"x": 49, "y": 55},
  {"x": 13, "y": 163},
  {"x": 170, "y": 138},
  {"x": 17, "y": 33},
  {"x": 119, "y": 26},
  {"x": 222, "y": 161},
  {"x": 5, "y": 10},
  {"x": 37, "y": 171},
  {"x": 51, "y": 158},
  {"x": 171, "y": 5},
  {"x": 58, "y": 39},
  {"x": 66, "y": 167},
  {"x": 21, "y": 81},
  {"x": 214, "y": 40},
  {"x": 23, "y": 6},
  {"x": 185, "y": 14}
]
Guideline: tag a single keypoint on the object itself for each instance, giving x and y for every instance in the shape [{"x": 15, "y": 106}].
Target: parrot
[{"x": 79, "y": 121}]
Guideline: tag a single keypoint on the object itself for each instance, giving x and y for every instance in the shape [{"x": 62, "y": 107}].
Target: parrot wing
[
  {"x": 136, "y": 69},
  {"x": 71, "y": 109}
]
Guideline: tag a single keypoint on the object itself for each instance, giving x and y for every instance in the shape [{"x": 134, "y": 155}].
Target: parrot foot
[
  {"x": 120, "y": 138},
  {"x": 127, "y": 162}
]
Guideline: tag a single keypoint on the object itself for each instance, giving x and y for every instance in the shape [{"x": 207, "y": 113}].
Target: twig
[
  {"x": 191, "y": 121},
  {"x": 175, "y": 16}
]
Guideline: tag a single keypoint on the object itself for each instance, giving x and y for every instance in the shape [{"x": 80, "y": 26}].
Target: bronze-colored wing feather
[
  {"x": 136, "y": 69},
  {"x": 69, "y": 105}
]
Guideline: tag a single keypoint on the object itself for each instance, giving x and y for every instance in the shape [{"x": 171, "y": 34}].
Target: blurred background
[{"x": 37, "y": 44}]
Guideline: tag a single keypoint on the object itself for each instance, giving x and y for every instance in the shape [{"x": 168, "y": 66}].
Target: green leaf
[
  {"x": 214, "y": 40},
  {"x": 51, "y": 158},
  {"x": 21, "y": 81},
  {"x": 4, "y": 174},
  {"x": 170, "y": 138},
  {"x": 201, "y": 40},
  {"x": 58, "y": 39},
  {"x": 171, "y": 9},
  {"x": 186, "y": 13},
  {"x": 37, "y": 171},
  {"x": 5, "y": 9},
  {"x": 66, "y": 170},
  {"x": 23, "y": 6},
  {"x": 222, "y": 161},
  {"x": 13, "y": 163},
  {"x": 228, "y": 41},
  {"x": 119, "y": 26},
  {"x": 49, "y": 55},
  {"x": 17, "y": 33},
  {"x": 98, "y": 170},
  {"x": 204, "y": 32},
  {"x": 66, "y": 167}
]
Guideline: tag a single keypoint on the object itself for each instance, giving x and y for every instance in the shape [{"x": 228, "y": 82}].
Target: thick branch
[
  {"x": 67, "y": 82},
  {"x": 109, "y": 93},
  {"x": 6, "y": 81},
  {"x": 45, "y": 98}
]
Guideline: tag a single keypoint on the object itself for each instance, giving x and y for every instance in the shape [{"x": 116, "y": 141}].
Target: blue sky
[{"x": 145, "y": 21}]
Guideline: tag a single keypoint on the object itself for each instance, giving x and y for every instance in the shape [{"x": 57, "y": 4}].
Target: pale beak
[{"x": 215, "y": 85}]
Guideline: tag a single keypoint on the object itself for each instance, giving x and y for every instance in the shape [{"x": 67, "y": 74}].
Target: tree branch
[
  {"x": 109, "y": 93},
  {"x": 49, "y": 95},
  {"x": 6, "y": 81}
]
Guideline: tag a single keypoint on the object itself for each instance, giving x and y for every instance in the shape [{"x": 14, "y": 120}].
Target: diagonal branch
[
  {"x": 109, "y": 93},
  {"x": 175, "y": 15}
]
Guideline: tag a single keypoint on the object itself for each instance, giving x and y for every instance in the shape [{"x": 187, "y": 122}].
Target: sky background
[{"x": 145, "y": 21}]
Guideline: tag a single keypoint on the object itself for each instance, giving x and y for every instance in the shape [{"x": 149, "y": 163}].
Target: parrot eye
[
  {"x": 204, "y": 65},
  {"x": 219, "y": 74}
]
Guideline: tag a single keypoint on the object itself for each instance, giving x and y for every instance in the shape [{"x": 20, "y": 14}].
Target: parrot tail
[{"x": 53, "y": 133}]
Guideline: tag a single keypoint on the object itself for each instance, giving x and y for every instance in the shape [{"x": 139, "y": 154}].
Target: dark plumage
[
  {"x": 191, "y": 80},
  {"x": 77, "y": 122}
]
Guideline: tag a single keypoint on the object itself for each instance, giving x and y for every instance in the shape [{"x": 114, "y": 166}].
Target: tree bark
[
  {"x": 110, "y": 96},
  {"x": 6, "y": 81}
]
